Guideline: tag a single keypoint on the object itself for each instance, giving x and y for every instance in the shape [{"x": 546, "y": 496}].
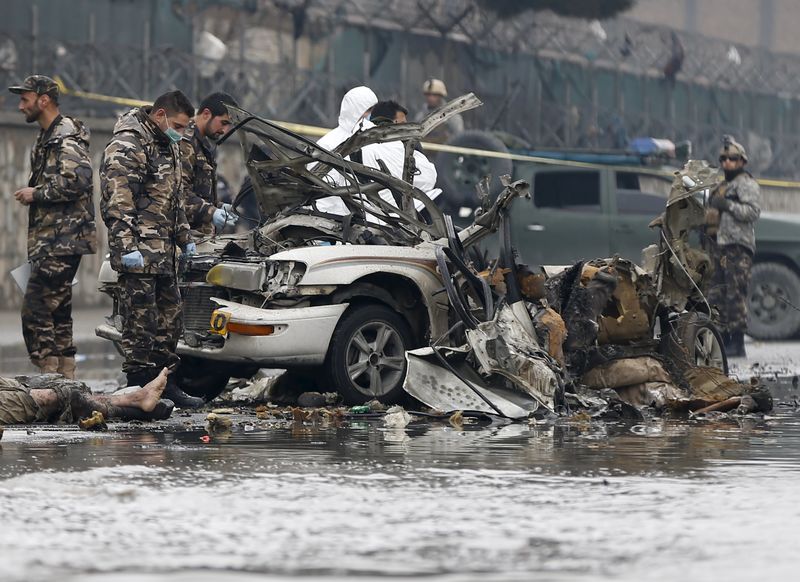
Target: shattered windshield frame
[{"x": 290, "y": 172}]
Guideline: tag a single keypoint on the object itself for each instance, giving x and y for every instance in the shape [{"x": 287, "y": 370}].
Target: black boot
[{"x": 179, "y": 397}]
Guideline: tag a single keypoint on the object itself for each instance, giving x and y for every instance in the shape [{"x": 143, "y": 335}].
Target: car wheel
[
  {"x": 774, "y": 293},
  {"x": 202, "y": 378},
  {"x": 694, "y": 340},
  {"x": 367, "y": 355},
  {"x": 459, "y": 174}
]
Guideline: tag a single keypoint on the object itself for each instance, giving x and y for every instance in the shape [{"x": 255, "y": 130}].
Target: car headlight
[
  {"x": 244, "y": 276},
  {"x": 283, "y": 277}
]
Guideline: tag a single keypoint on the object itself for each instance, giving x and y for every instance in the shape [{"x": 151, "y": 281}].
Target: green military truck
[{"x": 583, "y": 211}]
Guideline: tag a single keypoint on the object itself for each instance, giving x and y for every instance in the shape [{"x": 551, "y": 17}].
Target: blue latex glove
[
  {"x": 134, "y": 259},
  {"x": 223, "y": 217},
  {"x": 191, "y": 249}
]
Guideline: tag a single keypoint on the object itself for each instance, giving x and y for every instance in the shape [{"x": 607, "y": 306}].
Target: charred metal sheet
[
  {"x": 681, "y": 270},
  {"x": 504, "y": 346},
  {"x": 455, "y": 385},
  {"x": 628, "y": 315}
]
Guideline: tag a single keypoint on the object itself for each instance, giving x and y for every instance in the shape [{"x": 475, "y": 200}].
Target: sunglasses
[{"x": 731, "y": 158}]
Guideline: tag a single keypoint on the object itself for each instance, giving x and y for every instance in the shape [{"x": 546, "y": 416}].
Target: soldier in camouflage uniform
[
  {"x": 142, "y": 207},
  {"x": 733, "y": 208},
  {"x": 61, "y": 226},
  {"x": 199, "y": 167}
]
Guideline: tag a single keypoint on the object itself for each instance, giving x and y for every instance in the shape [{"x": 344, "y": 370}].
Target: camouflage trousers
[
  {"x": 729, "y": 285},
  {"x": 47, "y": 307},
  {"x": 151, "y": 308}
]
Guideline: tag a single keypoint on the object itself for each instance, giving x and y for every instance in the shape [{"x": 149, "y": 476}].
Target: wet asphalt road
[{"x": 697, "y": 500}]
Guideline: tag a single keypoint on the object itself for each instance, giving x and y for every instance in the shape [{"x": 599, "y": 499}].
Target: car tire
[
  {"x": 459, "y": 174},
  {"x": 202, "y": 378},
  {"x": 774, "y": 293},
  {"x": 366, "y": 359},
  {"x": 694, "y": 340}
]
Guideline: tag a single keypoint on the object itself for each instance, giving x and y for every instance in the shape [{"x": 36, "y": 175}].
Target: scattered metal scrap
[{"x": 604, "y": 337}]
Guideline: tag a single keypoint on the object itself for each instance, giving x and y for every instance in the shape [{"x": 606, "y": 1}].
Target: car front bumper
[{"x": 301, "y": 336}]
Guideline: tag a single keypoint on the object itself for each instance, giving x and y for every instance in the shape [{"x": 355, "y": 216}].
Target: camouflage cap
[
  {"x": 39, "y": 84},
  {"x": 731, "y": 147}
]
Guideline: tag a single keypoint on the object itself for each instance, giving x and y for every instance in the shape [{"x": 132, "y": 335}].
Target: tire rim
[
  {"x": 707, "y": 351},
  {"x": 768, "y": 303},
  {"x": 375, "y": 358}
]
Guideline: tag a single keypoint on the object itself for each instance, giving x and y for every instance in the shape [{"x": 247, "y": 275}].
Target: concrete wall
[
  {"x": 16, "y": 140},
  {"x": 771, "y": 24}
]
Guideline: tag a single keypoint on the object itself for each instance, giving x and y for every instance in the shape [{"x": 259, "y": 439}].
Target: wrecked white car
[{"x": 341, "y": 297}]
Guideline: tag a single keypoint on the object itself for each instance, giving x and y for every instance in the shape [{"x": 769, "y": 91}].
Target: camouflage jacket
[
  {"x": 199, "y": 169},
  {"x": 61, "y": 216},
  {"x": 737, "y": 223},
  {"x": 142, "y": 206}
]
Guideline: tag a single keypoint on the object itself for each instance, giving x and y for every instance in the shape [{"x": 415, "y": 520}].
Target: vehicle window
[
  {"x": 628, "y": 181},
  {"x": 642, "y": 194},
  {"x": 659, "y": 185},
  {"x": 573, "y": 191},
  {"x": 635, "y": 202}
]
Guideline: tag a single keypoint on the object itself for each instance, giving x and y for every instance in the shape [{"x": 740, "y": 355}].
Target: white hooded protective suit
[
  {"x": 393, "y": 156},
  {"x": 354, "y": 104}
]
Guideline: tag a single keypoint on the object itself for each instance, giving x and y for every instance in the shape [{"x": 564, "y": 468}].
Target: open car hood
[{"x": 288, "y": 172}]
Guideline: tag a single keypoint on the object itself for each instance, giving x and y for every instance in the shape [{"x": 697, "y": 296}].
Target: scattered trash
[
  {"x": 396, "y": 417},
  {"x": 311, "y": 400},
  {"x": 205, "y": 438},
  {"x": 456, "y": 420},
  {"x": 95, "y": 422},
  {"x": 261, "y": 388},
  {"x": 332, "y": 398},
  {"x": 218, "y": 423},
  {"x": 376, "y": 406},
  {"x": 223, "y": 411},
  {"x": 361, "y": 409}
]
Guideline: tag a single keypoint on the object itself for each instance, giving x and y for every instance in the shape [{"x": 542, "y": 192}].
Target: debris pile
[{"x": 601, "y": 337}]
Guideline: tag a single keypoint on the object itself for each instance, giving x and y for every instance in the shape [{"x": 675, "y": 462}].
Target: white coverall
[
  {"x": 354, "y": 104},
  {"x": 393, "y": 155}
]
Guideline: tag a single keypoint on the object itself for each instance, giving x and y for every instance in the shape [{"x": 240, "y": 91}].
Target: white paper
[{"x": 22, "y": 274}]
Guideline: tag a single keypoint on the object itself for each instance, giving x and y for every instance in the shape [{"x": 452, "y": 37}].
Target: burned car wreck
[
  {"x": 387, "y": 300},
  {"x": 605, "y": 337},
  {"x": 337, "y": 297}
]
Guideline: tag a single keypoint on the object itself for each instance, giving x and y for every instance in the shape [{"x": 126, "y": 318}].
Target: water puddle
[{"x": 561, "y": 501}]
